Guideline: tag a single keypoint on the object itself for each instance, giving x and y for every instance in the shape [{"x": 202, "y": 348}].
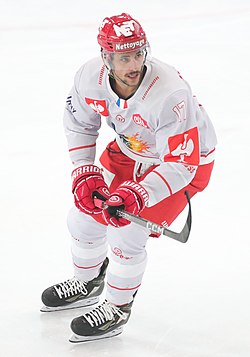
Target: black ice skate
[
  {"x": 106, "y": 320},
  {"x": 73, "y": 293}
]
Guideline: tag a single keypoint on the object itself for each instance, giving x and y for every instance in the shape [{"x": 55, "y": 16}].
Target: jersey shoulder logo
[
  {"x": 98, "y": 105},
  {"x": 184, "y": 148}
]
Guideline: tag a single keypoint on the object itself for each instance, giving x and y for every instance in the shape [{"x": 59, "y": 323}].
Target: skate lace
[
  {"x": 103, "y": 313},
  {"x": 71, "y": 287}
]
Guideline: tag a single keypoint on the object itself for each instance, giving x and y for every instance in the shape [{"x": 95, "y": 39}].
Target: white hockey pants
[{"x": 125, "y": 246}]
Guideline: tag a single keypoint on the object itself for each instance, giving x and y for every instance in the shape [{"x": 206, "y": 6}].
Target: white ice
[{"x": 195, "y": 297}]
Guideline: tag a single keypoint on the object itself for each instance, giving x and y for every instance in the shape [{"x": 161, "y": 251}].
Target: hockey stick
[{"x": 154, "y": 227}]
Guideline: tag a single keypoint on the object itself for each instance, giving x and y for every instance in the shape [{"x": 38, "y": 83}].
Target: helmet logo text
[
  {"x": 129, "y": 45},
  {"x": 126, "y": 29}
]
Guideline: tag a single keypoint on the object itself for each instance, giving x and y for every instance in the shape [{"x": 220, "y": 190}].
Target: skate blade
[
  {"x": 77, "y": 338},
  {"x": 74, "y": 305}
]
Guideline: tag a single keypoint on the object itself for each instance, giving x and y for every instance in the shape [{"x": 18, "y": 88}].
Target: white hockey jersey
[{"x": 162, "y": 123}]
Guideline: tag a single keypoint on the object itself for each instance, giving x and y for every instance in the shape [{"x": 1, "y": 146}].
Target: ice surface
[{"x": 194, "y": 301}]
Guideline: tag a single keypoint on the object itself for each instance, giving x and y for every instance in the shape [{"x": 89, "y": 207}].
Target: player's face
[{"x": 128, "y": 66}]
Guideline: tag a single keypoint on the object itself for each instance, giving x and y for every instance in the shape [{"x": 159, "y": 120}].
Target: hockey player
[{"x": 164, "y": 145}]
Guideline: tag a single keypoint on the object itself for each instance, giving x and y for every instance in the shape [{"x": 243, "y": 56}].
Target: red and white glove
[
  {"x": 88, "y": 183},
  {"x": 131, "y": 197}
]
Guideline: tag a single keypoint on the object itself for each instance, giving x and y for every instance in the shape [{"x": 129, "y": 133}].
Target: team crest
[{"x": 184, "y": 148}]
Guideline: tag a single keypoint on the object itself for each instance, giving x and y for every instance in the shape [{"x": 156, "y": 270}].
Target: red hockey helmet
[{"x": 121, "y": 33}]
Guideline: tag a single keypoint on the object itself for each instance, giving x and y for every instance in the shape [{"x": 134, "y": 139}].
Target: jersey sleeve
[
  {"x": 81, "y": 124},
  {"x": 177, "y": 141}
]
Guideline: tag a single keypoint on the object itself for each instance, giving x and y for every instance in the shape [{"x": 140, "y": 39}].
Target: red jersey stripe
[
  {"x": 210, "y": 152},
  {"x": 164, "y": 180},
  {"x": 82, "y": 147}
]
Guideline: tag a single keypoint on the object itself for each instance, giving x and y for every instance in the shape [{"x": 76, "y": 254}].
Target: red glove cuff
[
  {"x": 84, "y": 171},
  {"x": 138, "y": 189},
  {"x": 88, "y": 183}
]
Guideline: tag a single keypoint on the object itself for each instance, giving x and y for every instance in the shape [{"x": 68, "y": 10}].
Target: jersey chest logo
[
  {"x": 138, "y": 119},
  {"x": 184, "y": 148},
  {"x": 98, "y": 105}
]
